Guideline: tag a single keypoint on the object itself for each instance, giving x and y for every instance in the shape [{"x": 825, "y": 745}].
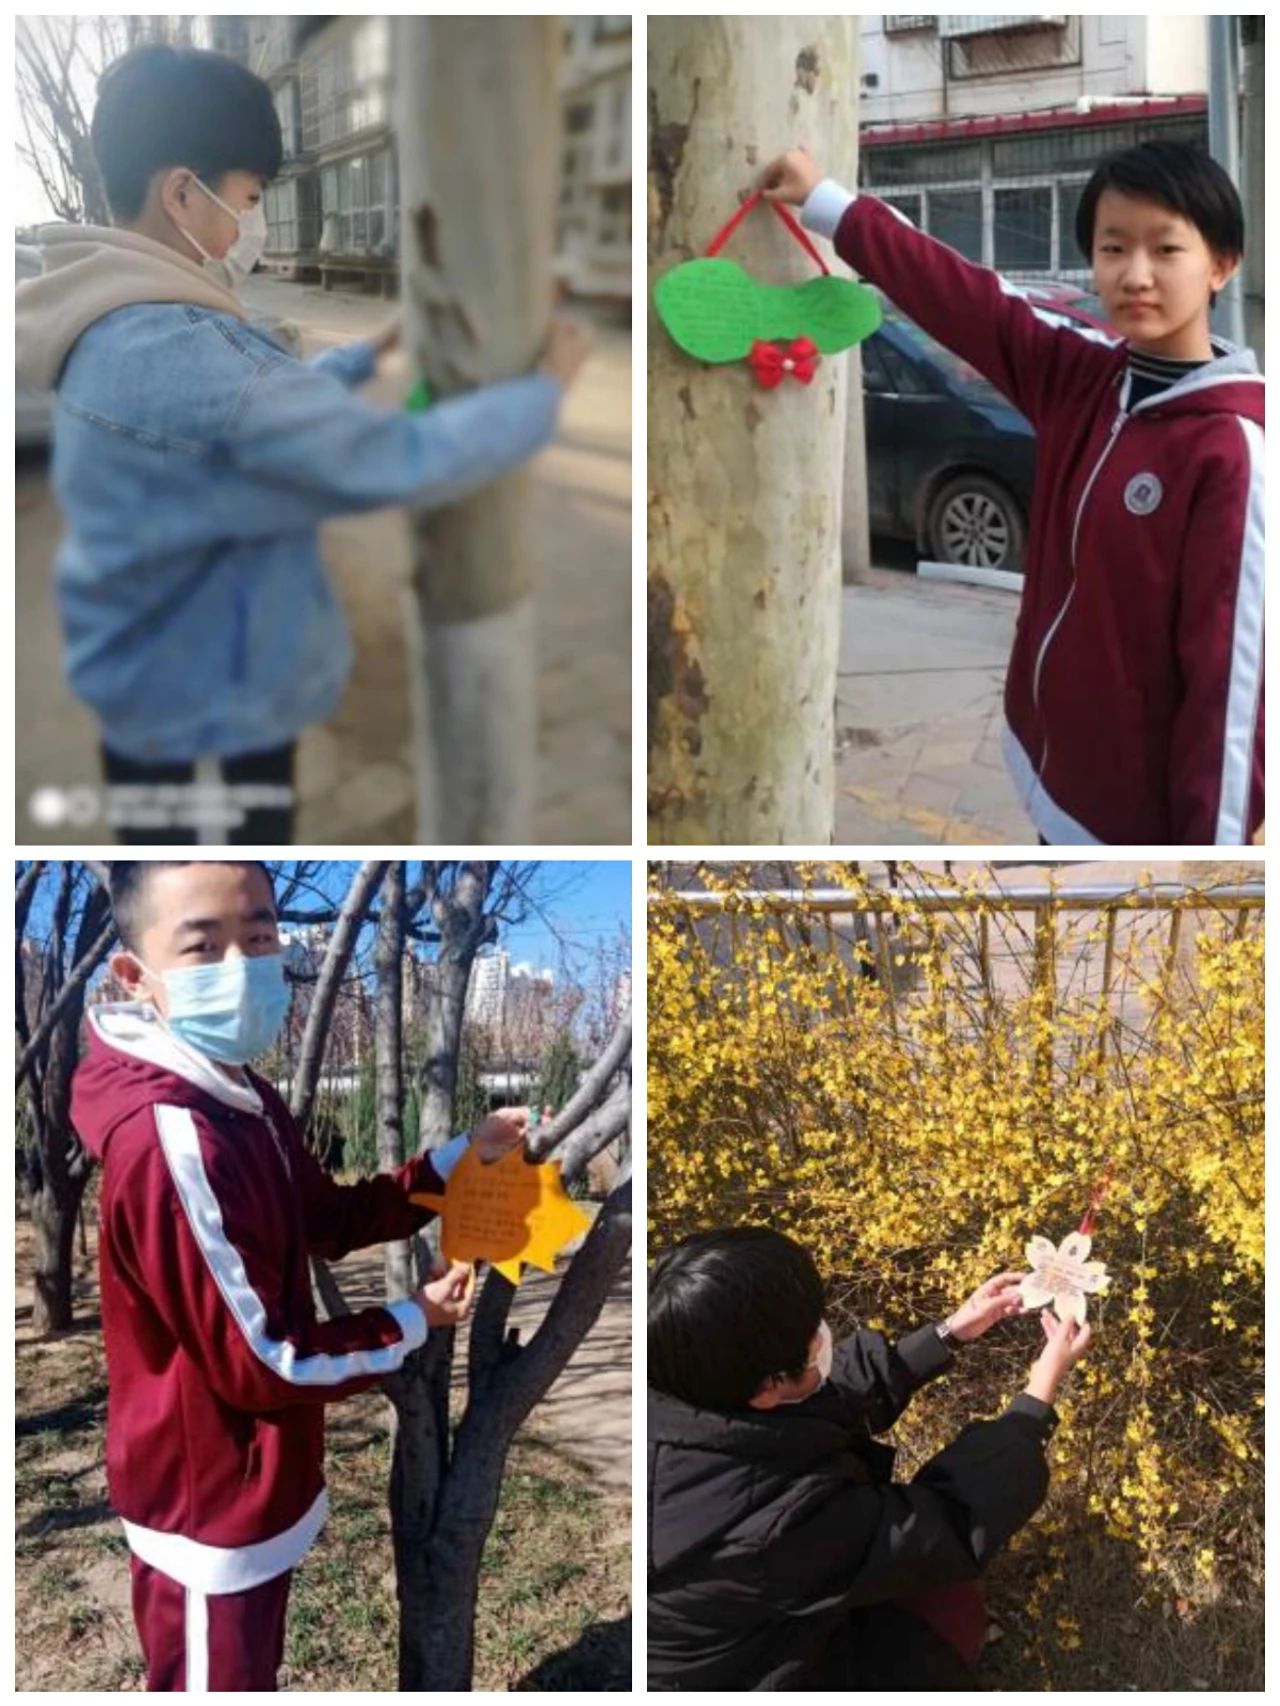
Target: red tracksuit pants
[{"x": 197, "y": 1643}]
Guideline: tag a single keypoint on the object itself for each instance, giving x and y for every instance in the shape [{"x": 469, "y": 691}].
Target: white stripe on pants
[{"x": 197, "y": 1642}]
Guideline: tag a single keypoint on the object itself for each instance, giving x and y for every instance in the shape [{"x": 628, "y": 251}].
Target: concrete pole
[
  {"x": 1224, "y": 145},
  {"x": 478, "y": 126},
  {"x": 744, "y": 484}
]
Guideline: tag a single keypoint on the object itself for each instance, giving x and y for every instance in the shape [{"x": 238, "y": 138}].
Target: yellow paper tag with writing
[{"x": 505, "y": 1212}]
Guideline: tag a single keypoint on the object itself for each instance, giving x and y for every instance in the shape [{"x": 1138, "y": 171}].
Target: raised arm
[{"x": 968, "y": 308}]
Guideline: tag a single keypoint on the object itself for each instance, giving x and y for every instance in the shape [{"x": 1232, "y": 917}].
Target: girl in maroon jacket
[
  {"x": 211, "y": 1204},
  {"x": 1133, "y": 700}
]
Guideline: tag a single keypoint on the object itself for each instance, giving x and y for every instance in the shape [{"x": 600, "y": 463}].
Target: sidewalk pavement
[{"x": 919, "y": 715}]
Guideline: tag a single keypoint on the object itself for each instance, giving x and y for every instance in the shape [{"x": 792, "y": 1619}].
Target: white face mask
[
  {"x": 822, "y": 1362},
  {"x": 245, "y": 253}
]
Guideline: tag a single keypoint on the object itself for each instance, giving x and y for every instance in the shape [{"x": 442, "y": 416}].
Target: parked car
[
  {"x": 1070, "y": 302},
  {"x": 950, "y": 463},
  {"x": 33, "y": 410}
]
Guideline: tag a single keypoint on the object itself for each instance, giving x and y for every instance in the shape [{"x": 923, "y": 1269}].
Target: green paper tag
[
  {"x": 419, "y": 398},
  {"x": 715, "y": 311}
]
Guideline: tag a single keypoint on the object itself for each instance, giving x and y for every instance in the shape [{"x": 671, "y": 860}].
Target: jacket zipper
[{"x": 1121, "y": 418}]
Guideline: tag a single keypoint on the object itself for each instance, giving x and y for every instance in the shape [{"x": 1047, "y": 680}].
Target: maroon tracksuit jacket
[
  {"x": 1134, "y": 695},
  {"x": 218, "y": 1369}
]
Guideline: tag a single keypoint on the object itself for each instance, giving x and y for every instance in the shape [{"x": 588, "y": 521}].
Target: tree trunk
[
  {"x": 478, "y": 131},
  {"x": 54, "y": 1209},
  {"x": 419, "y": 1464},
  {"x": 388, "y": 1046},
  {"x": 497, "y": 1404},
  {"x": 744, "y": 484},
  {"x": 459, "y": 915},
  {"x": 63, "y": 1165}
]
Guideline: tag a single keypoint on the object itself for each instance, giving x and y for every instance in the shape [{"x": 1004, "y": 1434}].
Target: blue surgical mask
[{"x": 231, "y": 1010}]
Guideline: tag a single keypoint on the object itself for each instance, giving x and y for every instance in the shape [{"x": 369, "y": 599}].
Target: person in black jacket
[{"x": 781, "y": 1552}]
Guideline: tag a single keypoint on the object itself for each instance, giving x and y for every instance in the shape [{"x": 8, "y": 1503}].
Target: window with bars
[
  {"x": 359, "y": 205},
  {"x": 1009, "y": 202},
  {"x": 614, "y": 228}
]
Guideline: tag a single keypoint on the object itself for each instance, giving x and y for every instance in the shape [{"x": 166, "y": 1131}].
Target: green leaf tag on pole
[{"x": 716, "y": 312}]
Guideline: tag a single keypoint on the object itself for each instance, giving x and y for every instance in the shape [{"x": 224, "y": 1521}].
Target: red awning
[{"x": 1020, "y": 124}]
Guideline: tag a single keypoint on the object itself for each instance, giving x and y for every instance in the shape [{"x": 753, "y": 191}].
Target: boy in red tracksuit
[
  {"x": 211, "y": 1204},
  {"x": 1133, "y": 700}
]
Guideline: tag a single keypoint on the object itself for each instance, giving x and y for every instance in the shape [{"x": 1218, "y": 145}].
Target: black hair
[
  {"x": 1178, "y": 175},
  {"x": 729, "y": 1309},
  {"x": 128, "y": 879},
  {"x": 161, "y": 106}
]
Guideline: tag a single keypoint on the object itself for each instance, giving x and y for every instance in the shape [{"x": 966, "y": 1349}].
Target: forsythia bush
[{"x": 915, "y": 1097}]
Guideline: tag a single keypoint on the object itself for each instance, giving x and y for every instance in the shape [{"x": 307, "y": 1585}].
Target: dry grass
[{"x": 556, "y": 1579}]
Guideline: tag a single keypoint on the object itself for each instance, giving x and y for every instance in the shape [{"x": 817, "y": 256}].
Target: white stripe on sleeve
[
  {"x": 1245, "y": 682},
  {"x": 180, "y": 1142}
]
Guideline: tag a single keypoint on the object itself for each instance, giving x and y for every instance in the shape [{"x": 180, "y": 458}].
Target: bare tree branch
[
  {"x": 364, "y": 886},
  {"x": 596, "y": 1133},
  {"x": 66, "y": 996},
  {"x": 588, "y": 1093}
]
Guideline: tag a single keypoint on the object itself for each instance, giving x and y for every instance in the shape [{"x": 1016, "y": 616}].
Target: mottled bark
[{"x": 744, "y": 484}]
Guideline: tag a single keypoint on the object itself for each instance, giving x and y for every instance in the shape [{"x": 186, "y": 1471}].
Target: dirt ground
[
  {"x": 554, "y": 1604},
  {"x": 354, "y": 776}
]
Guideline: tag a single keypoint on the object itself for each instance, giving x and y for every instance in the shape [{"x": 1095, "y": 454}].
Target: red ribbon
[
  {"x": 788, "y": 218},
  {"x": 772, "y": 363},
  {"x": 1095, "y": 1199}
]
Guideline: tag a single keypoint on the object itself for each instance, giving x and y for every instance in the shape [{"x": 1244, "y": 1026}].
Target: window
[
  {"x": 286, "y": 103},
  {"x": 901, "y": 378},
  {"x": 1023, "y": 229},
  {"x": 1069, "y": 255},
  {"x": 874, "y": 374},
  {"x": 950, "y": 162},
  {"x": 280, "y": 204},
  {"x": 578, "y": 118},
  {"x": 955, "y": 218},
  {"x": 910, "y": 205},
  {"x": 614, "y": 230}
]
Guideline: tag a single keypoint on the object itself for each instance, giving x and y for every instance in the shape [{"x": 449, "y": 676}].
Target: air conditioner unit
[
  {"x": 954, "y": 26},
  {"x": 900, "y": 24}
]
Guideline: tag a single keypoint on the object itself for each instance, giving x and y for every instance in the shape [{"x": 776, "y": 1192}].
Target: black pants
[{"x": 264, "y": 825}]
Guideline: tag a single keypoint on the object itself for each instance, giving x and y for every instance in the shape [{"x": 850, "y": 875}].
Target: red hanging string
[
  {"x": 792, "y": 224},
  {"x": 1095, "y": 1199}
]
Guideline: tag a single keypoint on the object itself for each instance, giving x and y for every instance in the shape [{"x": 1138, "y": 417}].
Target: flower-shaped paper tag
[{"x": 1060, "y": 1275}]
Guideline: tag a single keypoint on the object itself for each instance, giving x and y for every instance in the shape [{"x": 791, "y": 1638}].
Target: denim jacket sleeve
[
  {"x": 353, "y": 364},
  {"x": 311, "y": 449}
]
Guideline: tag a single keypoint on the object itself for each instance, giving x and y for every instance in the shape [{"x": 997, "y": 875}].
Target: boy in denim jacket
[{"x": 194, "y": 459}]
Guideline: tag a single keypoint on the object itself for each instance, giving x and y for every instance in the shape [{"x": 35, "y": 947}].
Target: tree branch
[
  {"x": 364, "y": 886},
  {"x": 589, "y": 1092},
  {"x": 574, "y": 1308},
  {"x": 595, "y": 1134},
  {"x": 66, "y": 996}
]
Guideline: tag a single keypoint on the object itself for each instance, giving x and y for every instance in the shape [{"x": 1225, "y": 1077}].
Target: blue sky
[{"x": 575, "y": 906}]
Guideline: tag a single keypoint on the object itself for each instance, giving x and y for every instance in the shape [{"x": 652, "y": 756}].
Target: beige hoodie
[{"x": 91, "y": 270}]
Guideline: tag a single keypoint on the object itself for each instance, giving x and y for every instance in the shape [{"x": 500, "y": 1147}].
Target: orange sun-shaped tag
[{"x": 505, "y": 1212}]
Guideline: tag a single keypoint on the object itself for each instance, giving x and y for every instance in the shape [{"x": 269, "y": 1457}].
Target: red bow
[{"x": 771, "y": 363}]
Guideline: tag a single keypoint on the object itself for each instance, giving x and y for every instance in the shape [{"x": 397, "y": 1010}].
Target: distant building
[
  {"x": 983, "y": 129},
  {"x": 593, "y": 235},
  {"x": 487, "y": 990},
  {"x": 334, "y": 211}
]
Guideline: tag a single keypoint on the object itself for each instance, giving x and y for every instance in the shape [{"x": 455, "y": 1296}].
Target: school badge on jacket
[{"x": 1143, "y": 494}]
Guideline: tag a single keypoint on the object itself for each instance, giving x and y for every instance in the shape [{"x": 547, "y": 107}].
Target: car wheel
[{"x": 975, "y": 522}]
